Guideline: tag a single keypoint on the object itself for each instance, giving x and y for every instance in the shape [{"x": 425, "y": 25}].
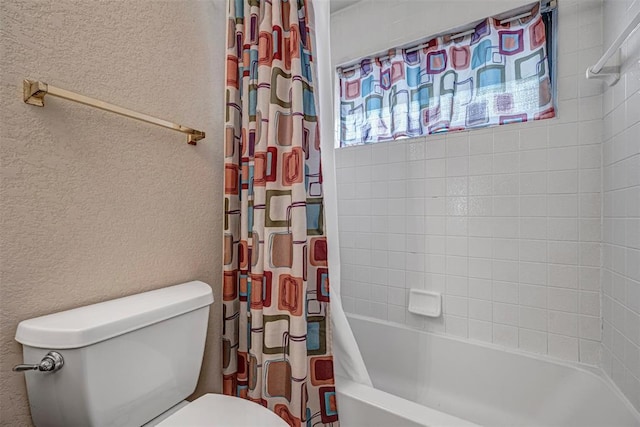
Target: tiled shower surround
[
  {"x": 505, "y": 222},
  {"x": 621, "y": 232}
]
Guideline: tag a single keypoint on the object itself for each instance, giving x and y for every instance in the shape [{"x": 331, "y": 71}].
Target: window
[{"x": 497, "y": 72}]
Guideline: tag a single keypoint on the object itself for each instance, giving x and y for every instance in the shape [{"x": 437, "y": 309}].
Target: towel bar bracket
[
  {"x": 34, "y": 92},
  {"x": 610, "y": 75}
]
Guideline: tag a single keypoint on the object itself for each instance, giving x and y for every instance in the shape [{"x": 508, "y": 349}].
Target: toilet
[{"x": 128, "y": 362}]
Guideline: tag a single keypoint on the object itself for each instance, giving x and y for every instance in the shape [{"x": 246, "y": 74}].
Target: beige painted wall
[{"x": 95, "y": 206}]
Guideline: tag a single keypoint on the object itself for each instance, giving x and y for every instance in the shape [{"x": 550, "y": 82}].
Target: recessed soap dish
[{"x": 425, "y": 303}]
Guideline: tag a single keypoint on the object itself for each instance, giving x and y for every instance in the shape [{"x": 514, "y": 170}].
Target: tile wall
[
  {"x": 504, "y": 222},
  {"x": 621, "y": 213}
]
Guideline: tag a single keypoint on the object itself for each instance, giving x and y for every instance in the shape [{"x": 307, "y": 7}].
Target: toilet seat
[{"x": 223, "y": 411}]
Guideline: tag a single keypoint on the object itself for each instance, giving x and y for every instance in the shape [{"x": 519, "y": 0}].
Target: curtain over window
[{"x": 494, "y": 75}]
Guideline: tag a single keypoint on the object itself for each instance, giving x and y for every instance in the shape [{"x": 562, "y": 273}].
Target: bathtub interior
[
  {"x": 486, "y": 384},
  {"x": 362, "y": 405}
]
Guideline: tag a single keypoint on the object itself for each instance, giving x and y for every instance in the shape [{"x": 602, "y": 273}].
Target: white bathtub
[{"x": 424, "y": 379}]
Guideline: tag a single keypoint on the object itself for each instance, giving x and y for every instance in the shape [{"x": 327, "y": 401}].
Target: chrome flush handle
[{"x": 52, "y": 362}]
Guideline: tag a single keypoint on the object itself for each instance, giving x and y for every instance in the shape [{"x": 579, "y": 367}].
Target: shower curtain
[
  {"x": 277, "y": 348},
  {"x": 347, "y": 358}
]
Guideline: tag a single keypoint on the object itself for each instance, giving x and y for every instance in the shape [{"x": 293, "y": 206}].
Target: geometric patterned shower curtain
[
  {"x": 277, "y": 336},
  {"x": 497, "y": 74}
]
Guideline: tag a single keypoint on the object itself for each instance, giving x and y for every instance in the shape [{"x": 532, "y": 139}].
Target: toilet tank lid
[{"x": 88, "y": 325}]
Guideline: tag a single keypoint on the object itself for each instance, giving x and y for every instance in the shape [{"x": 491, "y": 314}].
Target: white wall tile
[
  {"x": 589, "y": 278},
  {"x": 590, "y": 156},
  {"x": 480, "y": 288},
  {"x": 505, "y": 335},
  {"x": 457, "y": 326},
  {"x": 457, "y": 166},
  {"x": 480, "y": 310},
  {"x": 481, "y": 185},
  {"x": 562, "y": 299},
  {"x": 456, "y": 306},
  {"x": 562, "y": 252},
  {"x": 590, "y": 327},
  {"x": 533, "y": 160},
  {"x": 505, "y": 184},
  {"x": 563, "y": 347},
  {"x": 589, "y": 303},
  {"x": 562, "y": 158},
  {"x": 506, "y": 314},
  {"x": 563, "y": 276},
  {"x": 533, "y": 318},
  {"x": 589, "y": 230},
  {"x": 506, "y": 162},
  {"x": 480, "y": 268},
  {"x": 480, "y": 330},
  {"x": 505, "y": 249},
  {"x": 533, "y": 273},
  {"x": 533, "y": 205},
  {"x": 589, "y": 180},
  {"x": 397, "y": 296},
  {"x": 563, "y": 228},
  {"x": 620, "y": 261},
  {"x": 457, "y": 144},
  {"x": 533, "y": 295},
  {"x": 590, "y": 352},
  {"x": 590, "y": 205},
  {"x": 532, "y": 138},
  {"x": 505, "y": 270},
  {"x": 533, "y": 341},
  {"x": 505, "y": 292},
  {"x": 563, "y": 182},
  {"x": 564, "y": 205},
  {"x": 505, "y": 222},
  {"x": 395, "y": 313},
  {"x": 533, "y": 183},
  {"x": 562, "y": 323},
  {"x": 533, "y": 228},
  {"x": 481, "y": 142},
  {"x": 457, "y": 285}
]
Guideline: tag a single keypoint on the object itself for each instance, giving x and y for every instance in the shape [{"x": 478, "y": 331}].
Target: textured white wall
[
  {"x": 94, "y": 205},
  {"x": 504, "y": 222},
  {"x": 621, "y": 202}
]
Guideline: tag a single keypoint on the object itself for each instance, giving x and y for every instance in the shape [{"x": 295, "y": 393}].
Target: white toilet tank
[{"x": 125, "y": 361}]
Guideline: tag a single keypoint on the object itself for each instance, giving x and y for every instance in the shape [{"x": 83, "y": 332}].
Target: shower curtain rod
[
  {"x": 34, "y": 92},
  {"x": 612, "y": 74}
]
